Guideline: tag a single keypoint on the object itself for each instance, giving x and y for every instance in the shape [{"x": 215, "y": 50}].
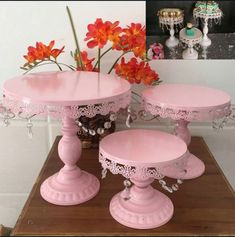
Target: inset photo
[{"x": 190, "y": 29}]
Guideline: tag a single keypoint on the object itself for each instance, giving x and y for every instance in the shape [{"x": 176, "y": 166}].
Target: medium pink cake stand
[
  {"x": 186, "y": 103},
  {"x": 141, "y": 156},
  {"x": 67, "y": 95}
]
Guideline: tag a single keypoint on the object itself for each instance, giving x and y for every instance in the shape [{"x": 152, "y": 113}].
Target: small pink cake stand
[
  {"x": 67, "y": 95},
  {"x": 186, "y": 103},
  {"x": 141, "y": 156}
]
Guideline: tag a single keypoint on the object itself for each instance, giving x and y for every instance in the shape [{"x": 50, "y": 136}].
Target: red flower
[
  {"x": 100, "y": 32},
  {"x": 136, "y": 72},
  {"x": 133, "y": 39},
  {"x": 87, "y": 63},
  {"x": 113, "y": 32},
  {"x": 42, "y": 52}
]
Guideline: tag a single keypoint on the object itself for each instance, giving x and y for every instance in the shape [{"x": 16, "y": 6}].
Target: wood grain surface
[{"x": 203, "y": 206}]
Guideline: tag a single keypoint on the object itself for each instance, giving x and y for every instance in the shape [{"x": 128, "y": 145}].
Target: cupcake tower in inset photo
[{"x": 208, "y": 12}]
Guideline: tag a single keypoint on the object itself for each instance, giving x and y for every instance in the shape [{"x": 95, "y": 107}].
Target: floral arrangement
[
  {"x": 156, "y": 51},
  {"x": 103, "y": 36}
]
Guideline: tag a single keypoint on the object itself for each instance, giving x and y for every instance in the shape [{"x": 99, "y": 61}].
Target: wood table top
[{"x": 203, "y": 206}]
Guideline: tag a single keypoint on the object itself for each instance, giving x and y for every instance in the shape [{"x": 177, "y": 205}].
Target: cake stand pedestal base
[
  {"x": 172, "y": 42},
  {"x": 71, "y": 185},
  {"x": 194, "y": 166},
  {"x": 194, "y": 169},
  {"x": 190, "y": 53},
  {"x": 146, "y": 208},
  {"x": 205, "y": 42},
  {"x": 78, "y": 187}
]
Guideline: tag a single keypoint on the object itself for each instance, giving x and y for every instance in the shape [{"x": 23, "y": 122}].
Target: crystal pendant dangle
[
  {"x": 129, "y": 118},
  {"x": 92, "y": 132},
  {"x": 30, "y": 130},
  {"x": 113, "y": 117},
  {"x": 107, "y": 125},
  {"x": 100, "y": 131},
  {"x": 6, "y": 120},
  {"x": 103, "y": 173},
  {"x": 7, "y": 115},
  {"x": 126, "y": 192}
]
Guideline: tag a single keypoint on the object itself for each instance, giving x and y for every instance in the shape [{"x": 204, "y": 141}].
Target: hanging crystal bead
[
  {"x": 175, "y": 187},
  {"x": 113, "y": 117},
  {"x": 107, "y": 125},
  {"x": 92, "y": 132},
  {"x": 126, "y": 192},
  {"x": 6, "y": 121},
  {"x": 84, "y": 129},
  {"x": 179, "y": 181},
  {"x": 29, "y": 127},
  {"x": 79, "y": 123},
  {"x": 100, "y": 131},
  {"x": 103, "y": 173}
]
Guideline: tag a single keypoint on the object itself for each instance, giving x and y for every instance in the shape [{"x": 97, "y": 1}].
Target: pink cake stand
[
  {"x": 67, "y": 95},
  {"x": 141, "y": 156},
  {"x": 186, "y": 103}
]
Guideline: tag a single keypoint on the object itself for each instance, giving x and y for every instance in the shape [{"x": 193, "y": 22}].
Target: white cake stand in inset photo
[{"x": 190, "y": 41}]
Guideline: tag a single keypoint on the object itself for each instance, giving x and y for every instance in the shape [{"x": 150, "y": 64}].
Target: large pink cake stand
[
  {"x": 186, "y": 103},
  {"x": 67, "y": 95},
  {"x": 141, "y": 156}
]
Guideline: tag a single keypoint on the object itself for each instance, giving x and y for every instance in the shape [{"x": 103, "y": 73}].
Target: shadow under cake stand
[
  {"x": 141, "y": 156},
  {"x": 67, "y": 96},
  {"x": 184, "y": 104}
]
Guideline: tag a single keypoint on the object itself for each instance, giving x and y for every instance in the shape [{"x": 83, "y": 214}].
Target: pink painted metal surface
[
  {"x": 70, "y": 185},
  {"x": 67, "y": 95},
  {"x": 65, "y": 88},
  {"x": 188, "y": 102},
  {"x": 184, "y": 103},
  {"x": 88, "y": 93},
  {"x": 142, "y": 156},
  {"x": 142, "y": 147}
]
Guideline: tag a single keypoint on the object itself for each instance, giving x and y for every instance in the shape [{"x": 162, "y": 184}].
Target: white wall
[
  {"x": 219, "y": 74},
  {"x": 23, "y": 23}
]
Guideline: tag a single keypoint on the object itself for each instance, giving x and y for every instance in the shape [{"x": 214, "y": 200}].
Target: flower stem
[
  {"x": 98, "y": 60},
  {"x": 76, "y": 39},
  {"x": 39, "y": 64},
  {"x": 56, "y": 64},
  {"x": 102, "y": 56},
  {"x": 116, "y": 62}
]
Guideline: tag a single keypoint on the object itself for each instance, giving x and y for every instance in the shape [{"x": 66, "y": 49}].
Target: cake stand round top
[
  {"x": 142, "y": 148},
  {"x": 195, "y": 39},
  {"x": 65, "y": 88},
  {"x": 99, "y": 92},
  {"x": 210, "y": 15},
  {"x": 185, "y": 101}
]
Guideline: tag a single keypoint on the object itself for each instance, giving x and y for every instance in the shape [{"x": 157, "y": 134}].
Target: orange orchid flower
[
  {"x": 136, "y": 72},
  {"x": 101, "y": 32},
  {"x": 87, "y": 63},
  {"x": 42, "y": 52},
  {"x": 133, "y": 39}
]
